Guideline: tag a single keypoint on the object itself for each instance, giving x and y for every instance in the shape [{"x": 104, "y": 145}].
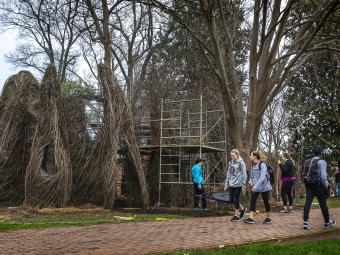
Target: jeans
[
  {"x": 234, "y": 194},
  {"x": 286, "y": 191},
  {"x": 197, "y": 195},
  {"x": 338, "y": 185},
  {"x": 318, "y": 190}
]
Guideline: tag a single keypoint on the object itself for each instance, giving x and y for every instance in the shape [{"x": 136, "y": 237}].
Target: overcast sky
[{"x": 7, "y": 40}]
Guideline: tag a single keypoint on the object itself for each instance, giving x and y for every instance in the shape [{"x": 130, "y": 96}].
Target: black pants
[
  {"x": 286, "y": 191},
  {"x": 234, "y": 194},
  {"x": 265, "y": 198},
  {"x": 197, "y": 195},
  {"x": 318, "y": 190}
]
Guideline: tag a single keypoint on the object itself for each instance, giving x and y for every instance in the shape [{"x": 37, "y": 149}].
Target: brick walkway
[{"x": 159, "y": 236}]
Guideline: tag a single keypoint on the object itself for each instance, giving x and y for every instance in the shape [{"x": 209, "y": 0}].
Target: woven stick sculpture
[
  {"x": 18, "y": 118},
  {"x": 48, "y": 179},
  {"x": 47, "y": 157},
  {"x": 117, "y": 124}
]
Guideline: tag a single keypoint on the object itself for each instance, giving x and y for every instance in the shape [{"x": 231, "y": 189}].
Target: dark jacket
[
  {"x": 337, "y": 177},
  {"x": 287, "y": 169}
]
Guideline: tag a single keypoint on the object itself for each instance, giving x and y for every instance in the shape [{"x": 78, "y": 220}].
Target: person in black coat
[
  {"x": 337, "y": 180},
  {"x": 287, "y": 169}
]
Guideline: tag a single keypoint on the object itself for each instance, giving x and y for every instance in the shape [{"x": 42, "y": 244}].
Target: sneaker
[
  {"x": 235, "y": 219},
  {"x": 290, "y": 210},
  {"x": 284, "y": 211},
  {"x": 243, "y": 212},
  {"x": 267, "y": 221},
  {"x": 306, "y": 225},
  {"x": 205, "y": 209},
  {"x": 249, "y": 221},
  {"x": 330, "y": 224},
  {"x": 196, "y": 209}
]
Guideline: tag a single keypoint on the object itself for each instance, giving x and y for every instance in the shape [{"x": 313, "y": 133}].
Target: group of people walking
[
  {"x": 259, "y": 184},
  {"x": 237, "y": 180}
]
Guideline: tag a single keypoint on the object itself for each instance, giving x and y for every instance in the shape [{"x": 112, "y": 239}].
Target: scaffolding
[{"x": 188, "y": 132}]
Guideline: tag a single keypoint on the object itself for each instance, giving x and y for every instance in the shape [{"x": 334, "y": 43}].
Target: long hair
[
  {"x": 287, "y": 156},
  {"x": 259, "y": 155}
]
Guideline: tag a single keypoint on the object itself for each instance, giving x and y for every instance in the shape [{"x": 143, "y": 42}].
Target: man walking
[{"x": 316, "y": 185}]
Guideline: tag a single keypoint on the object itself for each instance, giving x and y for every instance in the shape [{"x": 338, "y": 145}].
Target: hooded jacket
[
  {"x": 322, "y": 165},
  {"x": 236, "y": 174},
  {"x": 197, "y": 174},
  {"x": 258, "y": 177}
]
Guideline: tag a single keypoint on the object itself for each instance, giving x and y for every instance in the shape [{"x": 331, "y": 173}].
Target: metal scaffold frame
[{"x": 187, "y": 132}]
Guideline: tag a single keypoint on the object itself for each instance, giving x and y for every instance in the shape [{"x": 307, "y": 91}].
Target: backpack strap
[
  {"x": 305, "y": 164},
  {"x": 302, "y": 172},
  {"x": 268, "y": 179},
  {"x": 310, "y": 166},
  {"x": 239, "y": 162},
  {"x": 229, "y": 165}
]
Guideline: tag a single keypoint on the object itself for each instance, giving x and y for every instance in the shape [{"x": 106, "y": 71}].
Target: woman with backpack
[
  {"x": 287, "y": 169},
  {"x": 236, "y": 182},
  {"x": 260, "y": 184}
]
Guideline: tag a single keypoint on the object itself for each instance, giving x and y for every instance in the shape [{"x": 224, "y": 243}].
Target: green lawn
[
  {"x": 73, "y": 217},
  {"x": 308, "y": 248},
  {"x": 331, "y": 202}
]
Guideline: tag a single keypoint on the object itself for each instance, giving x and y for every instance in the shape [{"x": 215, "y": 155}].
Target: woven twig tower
[
  {"x": 18, "y": 118},
  {"x": 48, "y": 179}
]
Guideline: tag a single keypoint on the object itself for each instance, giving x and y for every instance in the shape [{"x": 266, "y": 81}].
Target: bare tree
[
  {"x": 117, "y": 109},
  {"x": 47, "y": 32},
  {"x": 281, "y": 41},
  {"x": 275, "y": 137},
  {"x": 132, "y": 41}
]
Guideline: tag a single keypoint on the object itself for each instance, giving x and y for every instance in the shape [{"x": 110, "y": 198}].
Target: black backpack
[
  {"x": 310, "y": 171},
  {"x": 270, "y": 174}
]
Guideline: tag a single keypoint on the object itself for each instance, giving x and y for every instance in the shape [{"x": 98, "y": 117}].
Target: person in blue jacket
[{"x": 197, "y": 175}]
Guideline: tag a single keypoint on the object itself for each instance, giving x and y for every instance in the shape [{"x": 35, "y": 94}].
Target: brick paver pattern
[{"x": 158, "y": 237}]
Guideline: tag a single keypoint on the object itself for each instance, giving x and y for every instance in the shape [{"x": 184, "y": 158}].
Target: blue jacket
[{"x": 197, "y": 174}]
